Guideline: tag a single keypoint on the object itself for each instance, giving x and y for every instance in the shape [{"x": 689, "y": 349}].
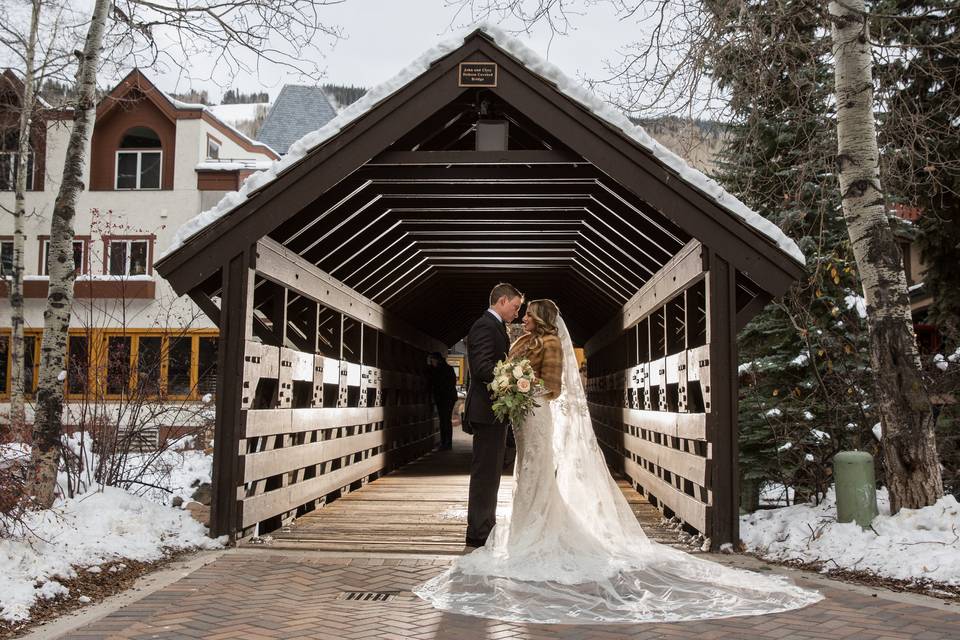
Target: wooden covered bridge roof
[{"x": 395, "y": 201}]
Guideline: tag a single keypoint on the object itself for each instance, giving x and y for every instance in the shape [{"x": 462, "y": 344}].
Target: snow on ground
[
  {"x": 13, "y": 451},
  {"x": 537, "y": 64},
  {"x": 100, "y": 525},
  {"x": 916, "y": 544},
  {"x": 773, "y": 494},
  {"x": 159, "y": 476},
  {"x": 86, "y": 531}
]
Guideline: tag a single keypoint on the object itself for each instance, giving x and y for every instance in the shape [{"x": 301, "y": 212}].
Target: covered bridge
[{"x": 377, "y": 239}]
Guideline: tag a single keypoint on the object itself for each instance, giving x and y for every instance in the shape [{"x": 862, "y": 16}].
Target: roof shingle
[{"x": 297, "y": 111}]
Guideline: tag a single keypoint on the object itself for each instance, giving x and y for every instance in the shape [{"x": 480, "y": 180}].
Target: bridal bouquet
[{"x": 515, "y": 388}]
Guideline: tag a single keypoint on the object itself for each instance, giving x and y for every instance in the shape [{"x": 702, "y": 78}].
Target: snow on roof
[
  {"x": 195, "y": 106},
  {"x": 234, "y": 165},
  {"x": 180, "y": 104},
  {"x": 536, "y": 64},
  {"x": 240, "y": 134}
]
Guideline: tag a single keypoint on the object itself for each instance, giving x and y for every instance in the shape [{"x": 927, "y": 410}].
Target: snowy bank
[
  {"x": 914, "y": 545},
  {"x": 86, "y": 531},
  {"x": 100, "y": 526}
]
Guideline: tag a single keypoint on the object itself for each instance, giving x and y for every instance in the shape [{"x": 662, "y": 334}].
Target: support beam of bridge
[
  {"x": 722, "y": 432},
  {"x": 278, "y": 264},
  {"x": 751, "y": 309},
  {"x": 676, "y": 275},
  {"x": 529, "y": 157},
  {"x": 235, "y": 330}
]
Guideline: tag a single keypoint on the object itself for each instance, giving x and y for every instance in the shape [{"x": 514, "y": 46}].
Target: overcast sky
[{"x": 383, "y": 36}]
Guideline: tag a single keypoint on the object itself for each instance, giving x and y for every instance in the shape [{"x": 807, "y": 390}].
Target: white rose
[
  {"x": 503, "y": 383},
  {"x": 523, "y": 385},
  {"x": 518, "y": 372}
]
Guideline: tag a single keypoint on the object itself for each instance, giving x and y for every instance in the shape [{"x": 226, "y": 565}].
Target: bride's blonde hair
[{"x": 544, "y": 313}]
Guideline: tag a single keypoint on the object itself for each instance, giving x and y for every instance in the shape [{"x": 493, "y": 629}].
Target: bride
[{"x": 572, "y": 550}]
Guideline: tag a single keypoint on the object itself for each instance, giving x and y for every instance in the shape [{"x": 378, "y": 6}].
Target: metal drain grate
[{"x": 368, "y": 596}]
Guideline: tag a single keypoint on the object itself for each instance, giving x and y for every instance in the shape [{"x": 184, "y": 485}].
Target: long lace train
[{"x": 572, "y": 551}]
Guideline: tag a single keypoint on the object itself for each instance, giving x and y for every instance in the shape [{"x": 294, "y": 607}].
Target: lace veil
[{"x": 579, "y": 555}]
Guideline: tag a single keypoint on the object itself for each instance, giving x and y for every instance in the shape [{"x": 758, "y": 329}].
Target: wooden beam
[
  {"x": 263, "y": 422},
  {"x": 687, "y": 508},
  {"x": 445, "y": 158},
  {"x": 237, "y": 304},
  {"x": 263, "y": 464},
  {"x": 676, "y": 275},
  {"x": 751, "y": 309},
  {"x": 282, "y": 266},
  {"x": 724, "y": 524},
  {"x": 678, "y": 425},
  {"x": 206, "y": 304},
  {"x": 544, "y": 172}
]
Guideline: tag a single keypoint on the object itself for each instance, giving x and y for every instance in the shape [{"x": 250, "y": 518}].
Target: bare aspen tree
[
  {"x": 27, "y": 107},
  {"x": 238, "y": 35},
  {"x": 41, "y": 483},
  {"x": 909, "y": 446}
]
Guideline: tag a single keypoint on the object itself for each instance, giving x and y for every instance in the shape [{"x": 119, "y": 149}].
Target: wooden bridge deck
[{"x": 420, "y": 508}]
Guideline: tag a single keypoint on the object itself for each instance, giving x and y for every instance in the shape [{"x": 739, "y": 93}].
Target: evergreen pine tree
[
  {"x": 920, "y": 132},
  {"x": 343, "y": 95},
  {"x": 804, "y": 380}
]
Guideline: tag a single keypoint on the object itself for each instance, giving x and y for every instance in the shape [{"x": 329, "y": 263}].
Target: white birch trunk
[
  {"x": 56, "y": 316},
  {"x": 17, "y": 412},
  {"x": 909, "y": 449}
]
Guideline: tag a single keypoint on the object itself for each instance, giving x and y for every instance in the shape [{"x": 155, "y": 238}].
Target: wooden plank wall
[
  {"x": 294, "y": 459},
  {"x": 332, "y": 393},
  {"x": 650, "y": 393}
]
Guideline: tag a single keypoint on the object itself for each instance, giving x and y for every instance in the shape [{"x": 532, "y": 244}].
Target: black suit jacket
[{"x": 487, "y": 343}]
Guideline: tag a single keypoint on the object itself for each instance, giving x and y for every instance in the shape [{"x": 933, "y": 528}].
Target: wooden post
[
  {"x": 279, "y": 315},
  {"x": 235, "y": 329},
  {"x": 724, "y": 522}
]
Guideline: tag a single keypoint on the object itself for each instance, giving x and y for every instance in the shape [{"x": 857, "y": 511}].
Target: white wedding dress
[{"x": 572, "y": 551}]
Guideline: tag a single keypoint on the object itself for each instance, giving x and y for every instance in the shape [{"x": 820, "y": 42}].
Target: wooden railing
[
  {"x": 650, "y": 393},
  {"x": 293, "y": 460},
  {"x": 663, "y": 447},
  {"x": 326, "y": 391}
]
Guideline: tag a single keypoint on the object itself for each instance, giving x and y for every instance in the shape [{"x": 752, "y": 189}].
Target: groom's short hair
[{"x": 504, "y": 289}]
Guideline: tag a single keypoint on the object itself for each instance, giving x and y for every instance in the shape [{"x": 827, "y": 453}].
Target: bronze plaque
[{"x": 478, "y": 74}]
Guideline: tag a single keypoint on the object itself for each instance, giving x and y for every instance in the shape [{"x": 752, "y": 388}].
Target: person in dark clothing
[
  {"x": 443, "y": 383},
  {"x": 487, "y": 344}
]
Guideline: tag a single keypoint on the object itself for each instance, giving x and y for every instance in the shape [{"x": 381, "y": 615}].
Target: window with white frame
[
  {"x": 79, "y": 256},
  {"x": 129, "y": 257},
  {"x": 139, "y": 160},
  {"x": 213, "y": 148},
  {"x": 6, "y": 257}
]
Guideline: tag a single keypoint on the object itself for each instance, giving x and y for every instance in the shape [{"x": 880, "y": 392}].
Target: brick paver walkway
[
  {"x": 253, "y": 595},
  {"x": 397, "y": 532}
]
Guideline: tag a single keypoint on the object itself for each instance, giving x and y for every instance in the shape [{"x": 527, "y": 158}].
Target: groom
[{"x": 487, "y": 343}]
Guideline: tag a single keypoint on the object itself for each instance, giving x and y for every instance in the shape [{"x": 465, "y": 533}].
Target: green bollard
[{"x": 856, "y": 487}]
